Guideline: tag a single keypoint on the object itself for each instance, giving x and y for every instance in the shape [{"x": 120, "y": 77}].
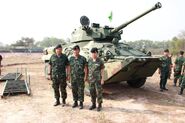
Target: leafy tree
[{"x": 50, "y": 41}]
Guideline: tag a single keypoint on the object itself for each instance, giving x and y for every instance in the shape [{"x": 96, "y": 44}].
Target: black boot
[
  {"x": 75, "y": 104},
  {"x": 181, "y": 91},
  {"x": 175, "y": 82},
  {"x": 81, "y": 105},
  {"x": 63, "y": 102},
  {"x": 93, "y": 106},
  {"x": 99, "y": 107},
  {"x": 57, "y": 102}
]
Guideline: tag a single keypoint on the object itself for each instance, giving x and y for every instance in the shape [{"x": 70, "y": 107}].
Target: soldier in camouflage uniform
[
  {"x": 164, "y": 69},
  {"x": 182, "y": 84},
  {"x": 177, "y": 67},
  {"x": 95, "y": 78},
  {"x": 58, "y": 64},
  {"x": 78, "y": 71}
]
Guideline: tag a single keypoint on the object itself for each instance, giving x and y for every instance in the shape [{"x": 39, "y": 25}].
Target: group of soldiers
[
  {"x": 77, "y": 70},
  {"x": 178, "y": 68}
]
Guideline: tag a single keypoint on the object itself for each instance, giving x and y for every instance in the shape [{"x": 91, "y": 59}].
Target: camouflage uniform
[
  {"x": 58, "y": 73},
  {"x": 77, "y": 77},
  {"x": 182, "y": 84},
  {"x": 164, "y": 68},
  {"x": 177, "y": 71},
  {"x": 94, "y": 77}
]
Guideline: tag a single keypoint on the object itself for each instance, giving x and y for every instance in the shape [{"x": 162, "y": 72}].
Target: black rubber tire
[{"x": 136, "y": 83}]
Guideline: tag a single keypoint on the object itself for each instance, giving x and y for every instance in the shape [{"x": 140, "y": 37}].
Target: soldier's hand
[
  {"x": 102, "y": 82},
  {"x": 68, "y": 78},
  {"x": 159, "y": 71},
  {"x": 85, "y": 79},
  {"x": 50, "y": 77}
]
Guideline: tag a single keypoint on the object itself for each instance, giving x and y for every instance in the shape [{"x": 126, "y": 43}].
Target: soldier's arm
[
  {"x": 102, "y": 73},
  {"x": 182, "y": 71},
  {"x": 85, "y": 69},
  {"x": 50, "y": 68},
  {"x": 68, "y": 72},
  {"x": 67, "y": 69}
]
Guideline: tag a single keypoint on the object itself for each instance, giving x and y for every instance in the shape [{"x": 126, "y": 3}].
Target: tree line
[{"x": 176, "y": 44}]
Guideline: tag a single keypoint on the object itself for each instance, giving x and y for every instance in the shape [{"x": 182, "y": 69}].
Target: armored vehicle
[{"x": 122, "y": 62}]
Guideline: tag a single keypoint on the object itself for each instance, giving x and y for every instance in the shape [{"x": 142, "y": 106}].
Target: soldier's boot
[
  {"x": 63, "y": 102},
  {"x": 57, "y": 102},
  {"x": 93, "y": 106},
  {"x": 99, "y": 107},
  {"x": 81, "y": 105},
  {"x": 181, "y": 91},
  {"x": 175, "y": 82},
  {"x": 75, "y": 104}
]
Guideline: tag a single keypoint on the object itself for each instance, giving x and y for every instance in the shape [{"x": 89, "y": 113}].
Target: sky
[{"x": 58, "y": 18}]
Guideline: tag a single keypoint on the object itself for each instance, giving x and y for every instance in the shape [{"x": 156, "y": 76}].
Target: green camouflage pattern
[
  {"x": 59, "y": 84},
  {"x": 58, "y": 65},
  {"x": 178, "y": 66},
  {"x": 166, "y": 64},
  {"x": 164, "y": 69},
  {"x": 96, "y": 91},
  {"x": 94, "y": 77},
  {"x": 58, "y": 74},
  {"x": 77, "y": 77},
  {"x": 94, "y": 70}
]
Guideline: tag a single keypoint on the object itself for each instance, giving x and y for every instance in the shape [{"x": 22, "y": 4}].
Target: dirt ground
[{"x": 125, "y": 105}]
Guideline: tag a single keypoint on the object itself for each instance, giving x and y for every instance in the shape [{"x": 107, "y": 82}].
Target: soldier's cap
[
  {"x": 76, "y": 47},
  {"x": 181, "y": 52},
  {"x": 94, "y": 50},
  {"x": 166, "y": 50},
  {"x": 58, "y": 46}
]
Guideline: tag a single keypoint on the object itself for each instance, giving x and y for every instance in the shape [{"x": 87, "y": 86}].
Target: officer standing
[
  {"x": 78, "y": 71},
  {"x": 164, "y": 69},
  {"x": 178, "y": 66},
  {"x": 182, "y": 84},
  {"x": 96, "y": 79},
  {"x": 58, "y": 67}
]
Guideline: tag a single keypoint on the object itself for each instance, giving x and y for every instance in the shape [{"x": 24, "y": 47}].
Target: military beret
[
  {"x": 58, "y": 46},
  {"x": 181, "y": 52},
  {"x": 94, "y": 50},
  {"x": 166, "y": 50},
  {"x": 76, "y": 47}
]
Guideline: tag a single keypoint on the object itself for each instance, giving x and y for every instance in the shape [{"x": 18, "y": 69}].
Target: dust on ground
[{"x": 143, "y": 105}]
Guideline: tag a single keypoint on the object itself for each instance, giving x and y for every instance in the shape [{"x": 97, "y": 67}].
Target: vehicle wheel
[{"x": 137, "y": 83}]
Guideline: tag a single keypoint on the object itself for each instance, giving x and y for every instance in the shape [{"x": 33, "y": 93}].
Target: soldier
[
  {"x": 1, "y": 58},
  {"x": 58, "y": 67},
  {"x": 182, "y": 84},
  {"x": 96, "y": 79},
  {"x": 170, "y": 71},
  {"x": 164, "y": 69},
  {"x": 78, "y": 70},
  {"x": 178, "y": 66}
]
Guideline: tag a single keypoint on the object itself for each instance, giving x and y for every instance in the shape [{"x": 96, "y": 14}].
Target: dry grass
[{"x": 143, "y": 105}]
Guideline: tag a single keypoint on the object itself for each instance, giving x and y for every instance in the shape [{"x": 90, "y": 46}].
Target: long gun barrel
[{"x": 157, "y": 6}]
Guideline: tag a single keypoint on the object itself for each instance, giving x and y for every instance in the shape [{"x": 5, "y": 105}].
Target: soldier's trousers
[
  {"x": 182, "y": 85},
  {"x": 163, "y": 79},
  {"x": 78, "y": 89},
  {"x": 59, "y": 86},
  {"x": 177, "y": 75},
  {"x": 96, "y": 91}
]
